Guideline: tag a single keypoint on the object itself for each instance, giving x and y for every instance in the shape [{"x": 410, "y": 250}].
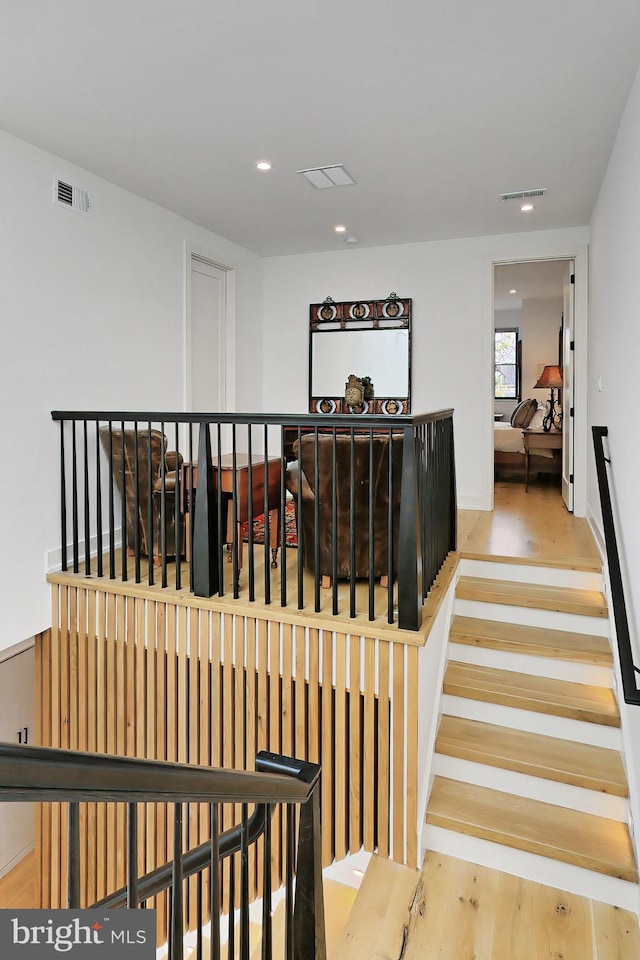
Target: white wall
[
  {"x": 92, "y": 312},
  {"x": 17, "y": 690},
  {"x": 541, "y": 320},
  {"x": 451, "y": 286},
  {"x": 614, "y": 358}
]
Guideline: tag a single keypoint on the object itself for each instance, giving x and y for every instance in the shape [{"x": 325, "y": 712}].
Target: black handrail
[
  {"x": 49, "y": 774},
  {"x": 628, "y": 669}
]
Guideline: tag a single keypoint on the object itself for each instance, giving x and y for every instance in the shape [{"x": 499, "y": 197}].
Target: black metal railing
[
  {"x": 50, "y": 775},
  {"x": 373, "y": 499},
  {"x": 628, "y": 669}
]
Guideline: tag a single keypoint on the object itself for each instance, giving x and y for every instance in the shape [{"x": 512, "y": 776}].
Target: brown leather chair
[
  {"x": 380, "y": 500},
  {"x": 150, "y": 538}
]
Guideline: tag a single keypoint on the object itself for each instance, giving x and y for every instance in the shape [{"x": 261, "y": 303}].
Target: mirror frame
[{"x": 392, "y": 313}]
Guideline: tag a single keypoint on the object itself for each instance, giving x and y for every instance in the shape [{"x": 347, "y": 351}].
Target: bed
[{"x": 509, "y": 455}]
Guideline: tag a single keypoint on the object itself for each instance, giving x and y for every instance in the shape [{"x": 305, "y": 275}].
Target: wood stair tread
[
  {"x": 564, "y": 761},
  {"x": 581, "y": 839},
  {"x": 534, "y": 641},
  {"x": 376, "y": 924},
  {"x": 588, "y": 603},
  {"x": 578, "y": 701}
]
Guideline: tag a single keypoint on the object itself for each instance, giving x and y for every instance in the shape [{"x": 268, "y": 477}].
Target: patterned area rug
[{"x": 258, "y": 527}]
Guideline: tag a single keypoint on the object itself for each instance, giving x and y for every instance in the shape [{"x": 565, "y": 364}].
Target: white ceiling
[
  {"x": 532, "y": 280},
  {"x": 435, "y": 108}
]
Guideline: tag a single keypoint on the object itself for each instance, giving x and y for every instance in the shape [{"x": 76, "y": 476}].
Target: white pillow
[{"x": 536, "y": 420}]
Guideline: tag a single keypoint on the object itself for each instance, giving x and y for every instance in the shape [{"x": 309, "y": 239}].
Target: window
[{"x": 507, "y": 365}]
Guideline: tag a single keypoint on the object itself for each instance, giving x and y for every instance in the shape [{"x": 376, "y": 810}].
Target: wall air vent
[
  {"x": 66, "y": 195},
  {"x": 523, "y": 194},
  {"x": 332, "y": 176}
]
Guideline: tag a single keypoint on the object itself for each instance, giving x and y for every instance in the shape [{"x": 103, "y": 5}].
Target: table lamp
[{"x": 550, "y": 378}]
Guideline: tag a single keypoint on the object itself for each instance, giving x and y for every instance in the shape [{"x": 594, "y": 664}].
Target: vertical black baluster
[
  {"x": 73, "y": 856},
  {"x": 244, "y": 885},
  {"x": 231, "y": 949},
  {"x": 189, "y": 501},
  {"x": 123, "y": 505},
  {"x": 410, "y": 581},
  {"x": 99, "y": 545},
  {"x": 63, "y": 499},
  {"x": 334, "y": 523},
  {"x": 205, "y": 523},
  {"x": 223, "y": 521},
  {"x": 390, "y": 529},
  {"x": 177, "y": 917},
  {"x": 299, "y": 523},
  {"x": 214, "y": 907},
  {"x": 136, "y": 501},
  {"x": 199, "y": 916},
  {"x": 163, "y": 506},
  {"x": 132, "y": 856},
  {"x": 177, "y": 536},
  {"x": 282, "y": 533},
  {"x": 267, "y": 929},
  {"x": 267, "y": 568},
  {"x": 352, "y": 523},
  {"x": 453, "y": 541},
  {"x": 150, "y": 544},
  {"x": 112, "y": 517},
  {"x": 308, "y": 912},
  {"x": 74, "y": 496},
  {"x": 87, "y": 505},
  {"x": 235, "y": 540},
  {"x": 372, "y": 606},
  {"x": 316, "y": 520},
  {"x": 252, "y": 585},
  {"x": 289, "y": 868}
]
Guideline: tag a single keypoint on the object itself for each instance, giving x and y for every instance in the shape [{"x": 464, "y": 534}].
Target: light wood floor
[
  {"x": 533, "y": 527},
  {"x": 458, "y": 911},
  {"x": 18, "y": 887}
]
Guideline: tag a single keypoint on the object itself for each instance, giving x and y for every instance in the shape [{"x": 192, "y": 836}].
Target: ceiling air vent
[
  {"x": 332, "y": 176},
  {"x": 66, "y": 195},
  {"x": 523, "y": 194}
]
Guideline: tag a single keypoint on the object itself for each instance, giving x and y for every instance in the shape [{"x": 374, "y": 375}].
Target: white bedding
[{"x": 507, "y": 439}]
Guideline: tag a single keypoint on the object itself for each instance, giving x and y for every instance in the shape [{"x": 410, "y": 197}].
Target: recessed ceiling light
[
  {"x": 513, "y": 291},
  {"x": 263, "y": 165},
  {"x": 526, "y": 207},
  {"x": 352, "y": 240},
  {"x": 340, "y": 228}
]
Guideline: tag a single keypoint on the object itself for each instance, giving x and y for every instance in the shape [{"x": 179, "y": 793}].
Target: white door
[
  {"x": 568, "y": 386},
  {"x": 206, "y": 386}
]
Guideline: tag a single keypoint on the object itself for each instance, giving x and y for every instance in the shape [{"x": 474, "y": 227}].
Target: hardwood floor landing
[{"x": 533, "y": 527}]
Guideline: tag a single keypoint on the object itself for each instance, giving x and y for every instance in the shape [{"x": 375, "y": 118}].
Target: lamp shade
[{"x": 550, "y": 377}]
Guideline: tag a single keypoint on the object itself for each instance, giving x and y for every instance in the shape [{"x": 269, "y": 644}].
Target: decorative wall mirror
[{"x": 366, "y": 338}]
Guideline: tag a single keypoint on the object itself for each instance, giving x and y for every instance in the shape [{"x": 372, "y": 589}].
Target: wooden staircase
[{"x": 528, "y": 772}]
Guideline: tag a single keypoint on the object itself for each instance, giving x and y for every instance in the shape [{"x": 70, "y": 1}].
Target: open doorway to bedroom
[{"x": 533, "y": 376}]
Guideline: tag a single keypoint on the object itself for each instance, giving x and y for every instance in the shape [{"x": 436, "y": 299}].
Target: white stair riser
[
  {"x": 535, "y": 788},
  {"x": 530, "y": 866},
  {"x": 532, "y": 616},
  {"x": 524, "y": 573},
  {"x": 529, "y": 720},
  {"x": 536, "y": 666}
]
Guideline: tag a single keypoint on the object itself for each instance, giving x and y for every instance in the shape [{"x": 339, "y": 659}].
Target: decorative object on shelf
[
  {"x": 551, "y": 379},
  {"x": 379, "y": 339},
  {"x": 355, "y": 393}
]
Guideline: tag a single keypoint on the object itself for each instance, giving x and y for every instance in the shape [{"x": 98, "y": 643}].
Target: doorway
[
  {"x": 533, "y": 345},
  {"x": 206, "y": 387}
]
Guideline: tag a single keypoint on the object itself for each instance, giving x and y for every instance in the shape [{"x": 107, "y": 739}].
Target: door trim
[{"x": 579, "y": 252}]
